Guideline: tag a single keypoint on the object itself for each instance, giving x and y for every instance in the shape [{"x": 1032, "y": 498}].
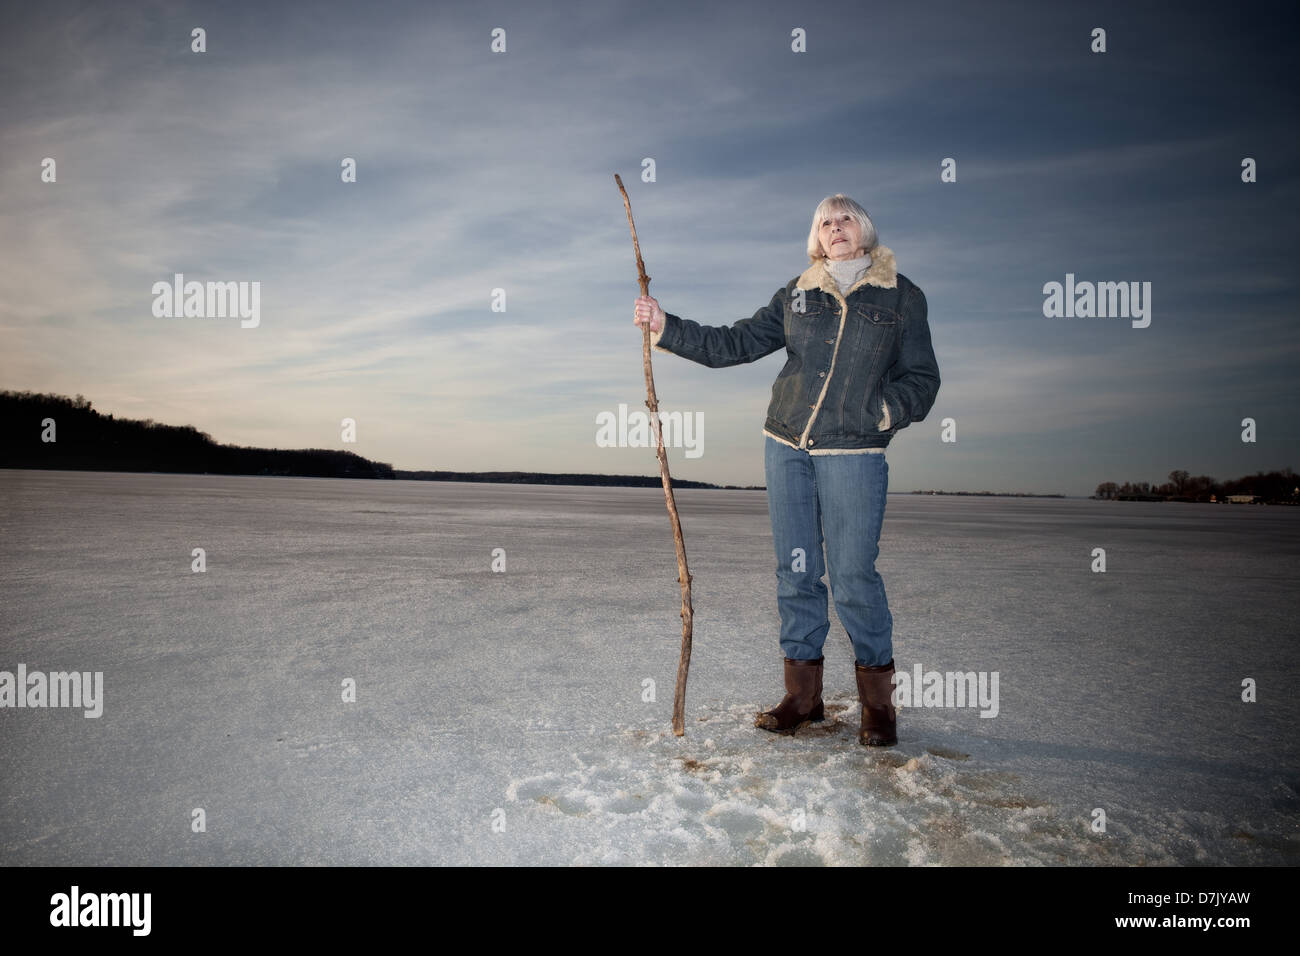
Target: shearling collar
[{"x": 882, "y": 273}]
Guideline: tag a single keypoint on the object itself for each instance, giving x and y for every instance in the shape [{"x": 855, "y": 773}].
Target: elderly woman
[{"x": 859, "y": 368}]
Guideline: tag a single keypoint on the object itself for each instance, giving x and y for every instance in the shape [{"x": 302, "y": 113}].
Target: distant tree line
[
  {"x": 85, "y": 440},
  {"x": 1276, "y": 487},
  {"x": 88, "y": 441}
]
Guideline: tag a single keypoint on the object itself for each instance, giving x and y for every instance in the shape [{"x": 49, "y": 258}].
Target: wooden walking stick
[{"x": 683, "y": 572}]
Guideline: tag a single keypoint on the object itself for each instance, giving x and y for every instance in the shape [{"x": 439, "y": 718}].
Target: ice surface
[{"x": 515, "y": 698}]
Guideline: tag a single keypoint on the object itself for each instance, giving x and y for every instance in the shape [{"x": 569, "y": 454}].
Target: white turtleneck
[{"x": 845, "y": 272}]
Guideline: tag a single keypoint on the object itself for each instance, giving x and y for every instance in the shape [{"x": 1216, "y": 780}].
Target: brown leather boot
[
  {"x": 803, "y": 698},
  {"x": 879, "y": 718}
]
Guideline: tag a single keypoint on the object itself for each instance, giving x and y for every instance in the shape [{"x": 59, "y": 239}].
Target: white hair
[{"x": 839, "y": 203}]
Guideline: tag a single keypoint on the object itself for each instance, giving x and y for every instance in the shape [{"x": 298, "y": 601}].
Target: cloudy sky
[{"x": 479, "y": 170}]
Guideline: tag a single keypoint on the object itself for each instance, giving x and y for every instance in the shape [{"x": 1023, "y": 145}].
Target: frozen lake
[{"x": 499, "y": 716}]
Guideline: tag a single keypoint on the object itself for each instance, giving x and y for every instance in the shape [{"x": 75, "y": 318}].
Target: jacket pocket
[
  {"x": 877, "y": 315},
  {"x": 872, "y": 412},
  {"x": 811, "y": 307}
]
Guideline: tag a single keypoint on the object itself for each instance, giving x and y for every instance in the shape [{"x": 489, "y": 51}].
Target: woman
[{"x": 859, "y": 368}]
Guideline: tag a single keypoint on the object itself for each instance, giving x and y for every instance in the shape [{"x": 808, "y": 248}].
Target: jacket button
[
  {"x": 811, "y": 442},
  {"x": 830, "y": 341},
  {"x": 812, "y": 406},
  {"x": 821, "y": 374}
]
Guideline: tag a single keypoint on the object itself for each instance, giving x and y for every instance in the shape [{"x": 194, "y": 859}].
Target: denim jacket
[{"x": 858, "y": 368}]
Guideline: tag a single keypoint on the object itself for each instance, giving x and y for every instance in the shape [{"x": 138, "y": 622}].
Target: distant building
[{"x": 1241, "y": 499}]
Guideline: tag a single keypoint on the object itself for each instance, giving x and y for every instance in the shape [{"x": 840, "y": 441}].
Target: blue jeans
[{"x": 840, "y": 498}]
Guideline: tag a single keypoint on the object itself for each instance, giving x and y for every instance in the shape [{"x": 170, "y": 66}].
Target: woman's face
[{"x": 841, "y": 236}]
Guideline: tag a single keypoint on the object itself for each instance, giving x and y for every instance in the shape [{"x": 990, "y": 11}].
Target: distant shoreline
[
  {"x": 43, "y": 431},
  {"x": 479, "y": 477},
  {"x": 525, "y": 478},
  {"x": 562, "y": 478},
  {"x": 989, "y": 494},
  {"x": 595, "y": 481},
  {"x": 510, "y": 478}
]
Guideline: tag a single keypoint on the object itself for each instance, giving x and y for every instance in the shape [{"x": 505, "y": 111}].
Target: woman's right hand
[{"x": 648, "y": 311}]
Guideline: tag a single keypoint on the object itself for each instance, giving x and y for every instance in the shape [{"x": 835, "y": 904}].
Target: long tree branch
[{"x": 683, "y": 572}]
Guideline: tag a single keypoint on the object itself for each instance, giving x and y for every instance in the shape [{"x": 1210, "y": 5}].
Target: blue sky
[{"x": 478, "y": 171}]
